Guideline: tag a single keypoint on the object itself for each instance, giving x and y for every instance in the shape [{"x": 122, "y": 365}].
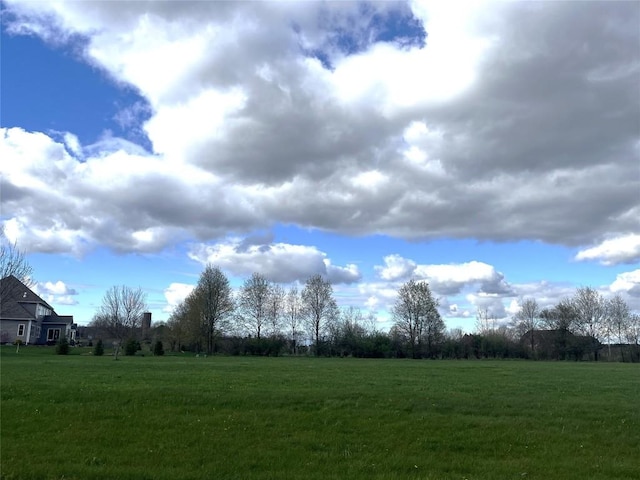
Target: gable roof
[{"x": 17, "y": 298}]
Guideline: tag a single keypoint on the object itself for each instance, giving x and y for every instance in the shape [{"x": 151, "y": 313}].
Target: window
[
  {"x": 21, "y": 330},
  {"x": 53, "y": 334}
]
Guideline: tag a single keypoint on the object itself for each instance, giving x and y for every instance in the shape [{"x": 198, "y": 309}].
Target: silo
[{"x": 146, "y": 325}]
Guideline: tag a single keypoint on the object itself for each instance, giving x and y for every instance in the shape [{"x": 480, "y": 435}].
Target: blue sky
[{"x": 370, "y": 143}]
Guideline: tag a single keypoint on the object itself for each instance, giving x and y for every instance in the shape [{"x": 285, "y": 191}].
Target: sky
[{"x": 489, "y": 148}]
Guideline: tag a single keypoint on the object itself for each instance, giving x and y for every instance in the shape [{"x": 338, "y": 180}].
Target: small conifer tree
[
  {"x": 131, "y": 347},
  {"x": 62, "y": 347},
  {"x": 98, "y": 350},
  {"x": 158, "y": 348}
]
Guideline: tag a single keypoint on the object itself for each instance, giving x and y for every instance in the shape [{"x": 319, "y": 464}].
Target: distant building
[
  {"x": 26, "y": 317},
  {"x": 559, "y": 344},
  {"x": 91, "y": 332}
]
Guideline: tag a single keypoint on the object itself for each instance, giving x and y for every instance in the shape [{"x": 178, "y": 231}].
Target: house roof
[
  {"x": 55, "y": 319},
  {"x": 17, "y": 299}
]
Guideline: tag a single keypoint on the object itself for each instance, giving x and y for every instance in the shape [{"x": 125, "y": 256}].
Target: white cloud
[
  {"x": 347, "y": 274},
  {"x": 396, "y": 268},
  {"x": 491, "y": 304},
  {"x": 453, "y": 278},
  {"x": 485, "y": 132},
  {"x": 73, "y": 144},
  {"x": 55, "y": 288},
  {"x": 56, "y": 293},
  {"x": 278, "y": 262},
  {"x": 175, "y": 294},
  {"x": 629, "y": 283},
  {"x": 126, "y": 200},
  {"x": 614, "y": 251},
  {"x": 63, "y": 300}
]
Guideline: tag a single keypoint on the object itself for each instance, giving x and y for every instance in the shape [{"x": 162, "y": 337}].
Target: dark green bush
[
  {"x": 98, "y": 350},
  {"x": 158, "y": 349},
  {"x": 131, "y": 347},
  {"x": 62, "y": 347}
]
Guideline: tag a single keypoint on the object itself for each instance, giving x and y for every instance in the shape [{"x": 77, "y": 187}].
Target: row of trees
[
  {"x": 262, "y": 318},
  {"x": 587, "y": 314},
  {"x": 261, "y": 310},
  {"x": 270, "y": 319}
]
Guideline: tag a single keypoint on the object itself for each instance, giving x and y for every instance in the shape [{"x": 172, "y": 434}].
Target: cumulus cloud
[
  {"x": 461, "y": 289},
  {"x": 174, "y": 294},
  {"x": 55, "y": 288},
  {"x": 126, "y": 200},
  {"x": 614, "y": 251},
  {"x": 396, "y": 268},
  {"x": 629, "y": 283},
  {"x": 451, "y": 279},
  {"x": 493, "y": 128},
  {"x": 278, "y": 262},
  {"x": 448, "y": 279},
  {"x": 547, "y": 294},
  {"x": 56, "y": 293}
]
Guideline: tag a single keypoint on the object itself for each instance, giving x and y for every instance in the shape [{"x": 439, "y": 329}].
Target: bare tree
[
  {"x": 528, "y": 320},
  {"x": 371, "y": 323},
  {"x": 293, "y": 317},
  {"x": 253, "y": 304},
  {"x": 275, "y": 309},
  {"x": 350, "y": 332},
  {"x": 120, "y": 313},
  {"x": 319, "y": 306},
  {"x": 633, "y": 336},
  {"x": 416, "y": 316},
  {"x": 563, "y": 319},
  {"x": 13, "y": 261},
  {"x": 591, "y": 314},
  {"x": 485, "y": 321},
  {"x": 212, "y": 303},
  {"x": 617, "y": 319}
]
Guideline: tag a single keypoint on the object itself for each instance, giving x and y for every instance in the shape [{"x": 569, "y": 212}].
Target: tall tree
[
  {"x": 527, "y": 321},
  {"x": 212, "y": 301},
  {"x": 562, "y": 318},
  {"x": 120, "y": 313},
  {"x": 293, "y": 315},
  {"x": 13, "y": 261},
  {"x": 185, "y": 325},
  {"x": 319, "y": 306},
  {"x": 633, "y": 336},
  {"x": 275, "y": 309},
  {"x": 351, "y": 332},
  {"x": 415, "y": 313},
  {"x": 253, "y": 304},
  {"x": 591, "y": 314},
  {"x": 485, "y": 321},
  {"x": 618, "y": 315}
]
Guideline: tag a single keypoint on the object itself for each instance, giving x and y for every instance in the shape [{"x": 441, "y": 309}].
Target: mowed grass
[{"x": 179, "y": 417}]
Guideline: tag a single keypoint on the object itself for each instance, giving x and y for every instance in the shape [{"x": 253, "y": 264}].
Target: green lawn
[{"x": 182, "y": 417}]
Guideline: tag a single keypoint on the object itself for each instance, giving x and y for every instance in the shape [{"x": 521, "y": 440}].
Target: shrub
[
  {"x": 158, "y": 349},
  {"x": 131, "y": 347},
  {"x": 62, "y": 347},
  {"x": 98, "y": 350}
]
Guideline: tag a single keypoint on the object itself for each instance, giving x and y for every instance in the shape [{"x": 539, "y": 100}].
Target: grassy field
[{"x": 85, "y": 417}]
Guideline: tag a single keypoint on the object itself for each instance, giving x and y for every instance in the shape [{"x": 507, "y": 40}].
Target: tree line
[{"x": 262, "y": 318}]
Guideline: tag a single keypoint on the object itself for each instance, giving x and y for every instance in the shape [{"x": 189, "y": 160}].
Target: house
[
  {"x": 26, "y": 317},
  {"x": 559, "y": 344}
]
